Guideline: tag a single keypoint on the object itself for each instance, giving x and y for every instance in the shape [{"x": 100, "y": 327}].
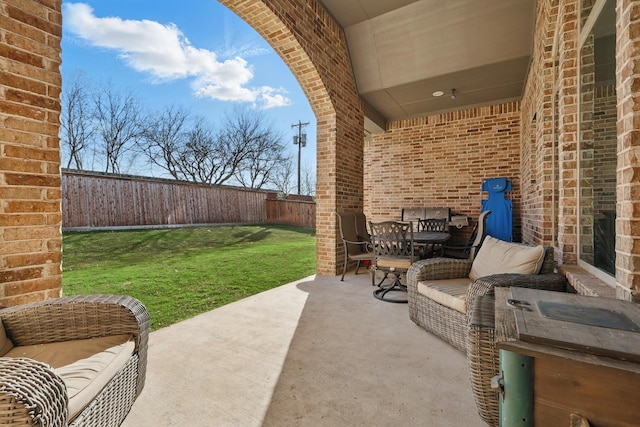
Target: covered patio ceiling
[{"x": 404, "y": 51}]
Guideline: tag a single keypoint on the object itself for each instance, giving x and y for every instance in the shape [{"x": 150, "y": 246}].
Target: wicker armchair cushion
[
  {"x": 86, "y": 366},
  {"x": 5, "y": 342},
  {"x": 497, "y": 257},
  {"x": 450, "y": 293}
]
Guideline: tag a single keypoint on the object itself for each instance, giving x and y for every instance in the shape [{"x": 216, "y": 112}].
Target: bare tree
[
  {"x": 243, "y": 149},
  {"x": 165, "y": 137},
  {"x": 236, "y": 141},
  {"x": 187, "y": 148},
  {"x": 76, "y": 120},
  {"x": 200, "y": 159},
  {"x": 282, "y": 177},
  {"x": 308, "y": 181},
  {"x": 118, "y": 117},
  {"x": 264, "y": 150}
]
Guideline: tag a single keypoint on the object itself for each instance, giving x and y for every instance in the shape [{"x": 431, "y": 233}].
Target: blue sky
[{"x": 196, "y": 54}]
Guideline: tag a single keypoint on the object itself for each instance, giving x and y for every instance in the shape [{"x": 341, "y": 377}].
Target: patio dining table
[
  {"x": 433, "y": 239},
  {"x": 430, "y": 237}
]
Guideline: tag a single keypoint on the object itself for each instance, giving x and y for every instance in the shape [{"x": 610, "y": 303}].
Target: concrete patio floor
[{"x": 317, "y": 352}]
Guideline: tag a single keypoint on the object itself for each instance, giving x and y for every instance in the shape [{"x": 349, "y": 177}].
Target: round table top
[{"x": 430, "y": 236}]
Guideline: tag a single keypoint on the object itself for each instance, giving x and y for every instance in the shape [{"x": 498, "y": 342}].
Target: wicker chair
[
  {"x": 32, "y": 393},
  {"x": 483, "y": 358},
  {"x": 473, "y": 331},
  {"x": 450, "y": 324}
]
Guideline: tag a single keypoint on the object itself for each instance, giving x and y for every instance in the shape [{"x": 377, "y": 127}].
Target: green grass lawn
[{"x": 180, "y": 272}]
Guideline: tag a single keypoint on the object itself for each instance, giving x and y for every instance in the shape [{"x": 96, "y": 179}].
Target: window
[{"x": 598, "y": 138}]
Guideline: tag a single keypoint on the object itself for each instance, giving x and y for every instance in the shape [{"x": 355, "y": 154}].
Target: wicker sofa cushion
[
  {"x": 497, "y": 257},
  {"x": 5, "y": 342},
  {"x": 450, "y": 293},
  {"x": 85, "y": 366}
]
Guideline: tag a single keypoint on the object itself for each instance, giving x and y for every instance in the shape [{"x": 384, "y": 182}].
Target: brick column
[
  {"x": 567, "y": 130},
  {"x": 314, "y": 47},
  {"x": 539, "y": 204},
  {"x": 30, "y": 213},
  {"x": 628, "y": 185}
]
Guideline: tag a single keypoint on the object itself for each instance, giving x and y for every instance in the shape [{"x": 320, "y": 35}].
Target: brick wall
[
  {"x": 551, "y": 198},
  {"x": 30, "y": 236},
  {"x": 587, "y": 143},
  {"x": 441, "y": 160},
  {"x": 556, "y": 58},
  {"x": 628, "y": 185},
  {"x": 605, "y": 142},
  {"x": 539, "y": 186},
  {"x": 567, "y": 137},
  {"x": 314, "y": 47},
  {"x": 597, "y": 164}
]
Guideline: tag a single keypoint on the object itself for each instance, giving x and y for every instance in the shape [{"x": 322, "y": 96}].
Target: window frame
[{"x": 584, "y": 33}]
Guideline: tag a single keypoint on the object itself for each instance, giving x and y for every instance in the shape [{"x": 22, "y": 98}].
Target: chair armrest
[
  {"x": 459, "y": 252},
  {"x": 368, "y": 247},
  {"x": 458, "y": 246},
  {"x": 31, "y": 393},
  {"x": 486, "y": 285},
  {"x": 77, "y": 317},
  {"x": 436, "y": 269}
]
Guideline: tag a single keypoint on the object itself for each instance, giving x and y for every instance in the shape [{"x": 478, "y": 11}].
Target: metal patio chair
[
  {"x": 357, "y": 245},
  {"x": 394, "y": 253},
  {"x": 469, "y": 250}
]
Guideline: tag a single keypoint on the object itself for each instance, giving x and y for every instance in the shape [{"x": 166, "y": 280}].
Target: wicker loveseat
[
  {"x": 73, "y": 361},
  {"x": 441, "y": 289}
]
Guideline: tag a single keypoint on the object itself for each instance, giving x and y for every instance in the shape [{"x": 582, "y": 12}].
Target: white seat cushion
[
  {"x": 85, "y": 366},
  {"x": 451, "y": 293},
  {"x": 497, "y": 257}
]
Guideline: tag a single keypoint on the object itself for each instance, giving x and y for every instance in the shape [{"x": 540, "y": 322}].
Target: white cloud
[
  {"x": 271, "y": 98},
  {"x": 164, "y": 52}
]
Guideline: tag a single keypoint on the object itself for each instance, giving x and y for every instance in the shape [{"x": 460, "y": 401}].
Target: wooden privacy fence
[
  {"x": 92, "y": 199},
  {"x": 291, "y": 212}
]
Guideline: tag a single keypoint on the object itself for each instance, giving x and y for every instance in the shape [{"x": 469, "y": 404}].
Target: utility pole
[{"x": 301, "y": 141}]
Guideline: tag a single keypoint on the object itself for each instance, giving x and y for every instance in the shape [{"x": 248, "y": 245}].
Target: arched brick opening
[
  {"x": 304, "y": 35},
  {"x": 314, "y": 47}
]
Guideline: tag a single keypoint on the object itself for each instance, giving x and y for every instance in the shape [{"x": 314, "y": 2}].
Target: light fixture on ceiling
[
  {"x": 453, "y": 94},
  {"x": 438, "y": 93}
]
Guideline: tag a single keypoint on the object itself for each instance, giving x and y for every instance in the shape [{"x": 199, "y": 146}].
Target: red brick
[
  {"x": 16, "y": 261},
  {"x": 18, "y": 275},
  {"x": 30, "y": 286},
  {"x": 31, "y": 153},
  {"x": 21, "y": 220},
  {"x": 32, "y": 180}
]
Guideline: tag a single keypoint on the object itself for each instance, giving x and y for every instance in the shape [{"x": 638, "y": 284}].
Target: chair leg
[
  {"x": 357, "y": 267},
  {"x": 344, "y": 268},
  {"x": 373, "y": 279}
]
